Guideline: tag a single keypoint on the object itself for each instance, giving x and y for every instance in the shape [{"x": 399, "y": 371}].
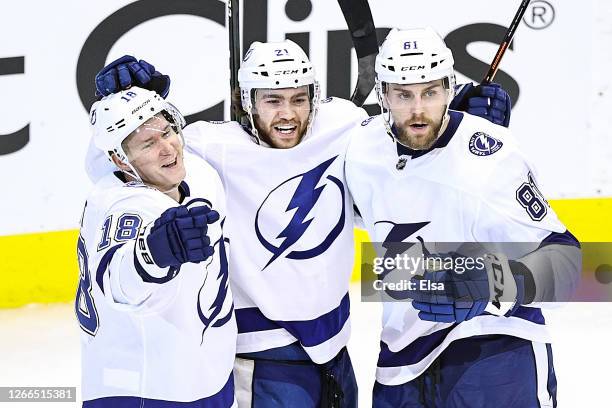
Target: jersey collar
[{"x": 453, "y": 123}]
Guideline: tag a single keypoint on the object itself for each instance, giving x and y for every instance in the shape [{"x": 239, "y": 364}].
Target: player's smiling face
[
  {"x": 156, "y": 152},
  {"x": 281, "y": 115},
  {"x": 418, "y": 112}
]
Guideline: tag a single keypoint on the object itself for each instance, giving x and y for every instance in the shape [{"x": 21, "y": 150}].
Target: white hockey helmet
[
  {"x": 413, "y": 56},
  {"x": 116, "y": 116},
  {"x": 276, "y": 65}
]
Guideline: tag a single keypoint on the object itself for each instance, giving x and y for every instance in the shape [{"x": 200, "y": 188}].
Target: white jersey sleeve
[
  {"x": 97, "y": 164},
  {"x": 200, "y": 136},
  {"x": 512, "y": 209},
  {"x": 115, "y": 255},
  {"x": 511, "y": 197}
]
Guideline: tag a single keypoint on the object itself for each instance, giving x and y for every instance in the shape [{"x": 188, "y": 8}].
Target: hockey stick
[
  {"x": 506, "y": 42},
  {"x": 234, "y": 48},
  {"x": 462, "y": 104},
  {"x": 360, "y": 23}
]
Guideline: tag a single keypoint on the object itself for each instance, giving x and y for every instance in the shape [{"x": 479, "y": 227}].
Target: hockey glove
[
  {"x": 179, "y": 236},
  {"x": 448, "y": 296},
  {"x": 126, "y": 72},
  {"x": 487, "y": 101}
]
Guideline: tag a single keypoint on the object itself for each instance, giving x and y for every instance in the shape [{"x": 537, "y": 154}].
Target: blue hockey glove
[
  {"x": 126, "y": 72},
  {"x": 179, "y": 236},
  {"x": 461, "y": 293},
  {"x": 487, "y": 101}
]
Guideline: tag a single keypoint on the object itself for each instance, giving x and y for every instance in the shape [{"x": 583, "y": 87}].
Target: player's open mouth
[
  {"x": 419, "y": 129},
  {"x": 170, "y": 165},
  {"x": 418, "y": 125},
  {"x": 285, "y": 129}
]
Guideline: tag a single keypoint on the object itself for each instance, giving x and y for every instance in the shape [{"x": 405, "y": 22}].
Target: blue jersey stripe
[
  {"x": 424, "y": 345},
  {"x": 222, "y": 399},
  {"x": 567, "y": 238},
  {"x": 104, "y": 262},
  {"x": 309, "y": 332},
  {"x": 251, "y": 320}
]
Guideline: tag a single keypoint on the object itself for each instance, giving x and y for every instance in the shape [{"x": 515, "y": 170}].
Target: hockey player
[
  {"x": 283, "y": 173},
  {"x": 471, "y": 339},
  {"x": 153, "y": 299}
]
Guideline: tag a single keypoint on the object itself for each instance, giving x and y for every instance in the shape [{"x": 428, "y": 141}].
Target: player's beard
[
  {"x": 272, "y": 137},
  {"x": 417, "y": 140}
]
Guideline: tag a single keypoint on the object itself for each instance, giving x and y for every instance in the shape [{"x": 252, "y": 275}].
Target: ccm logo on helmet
[
  {"x": 287, "y": 72},
  {"x": 413, "y": 68}
]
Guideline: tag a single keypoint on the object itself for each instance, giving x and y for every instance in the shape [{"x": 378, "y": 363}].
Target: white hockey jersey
[
  {"x": 172, "y": 341},
  {"x": 290, "y": 218},
  {"x": 474, "y": 185}
]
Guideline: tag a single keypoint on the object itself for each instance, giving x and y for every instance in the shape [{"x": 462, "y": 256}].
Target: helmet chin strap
[{"x": 131, "y": 172}]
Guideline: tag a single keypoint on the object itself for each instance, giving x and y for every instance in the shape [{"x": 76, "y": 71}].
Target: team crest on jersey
[
  {"x": 295, "y": 201},
  {"x": 482, "y": 144},
  {"x": 368, "y": 120}
]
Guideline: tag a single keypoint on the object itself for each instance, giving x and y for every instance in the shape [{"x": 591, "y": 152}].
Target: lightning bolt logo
[
  {"x": 304, "y": 199},
  {"x": 484, "y": 142},
  {"x": 481, "y": 144}
]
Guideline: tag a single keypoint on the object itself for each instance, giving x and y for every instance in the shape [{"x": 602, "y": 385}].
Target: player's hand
[
  {"x": 458, "y": 294},
  {"x": 179, "y": 236},
  {"x": 365, "y": 79},
  {"x": 126, "y": 72},
  {"x": 490, "y": 101}
]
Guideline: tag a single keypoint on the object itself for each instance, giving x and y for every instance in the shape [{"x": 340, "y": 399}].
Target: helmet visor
[
  {"x": 159, "y": 133},
  {"x": 415, "y": 97},
  {"x": 297, "y": 99}
]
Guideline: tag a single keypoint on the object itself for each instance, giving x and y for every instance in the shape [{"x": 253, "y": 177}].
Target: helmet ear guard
[{"x": 381, "y": 90}]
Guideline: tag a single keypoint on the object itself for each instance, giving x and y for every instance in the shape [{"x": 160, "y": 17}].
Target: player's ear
[{"x": 122, "y": 165}]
